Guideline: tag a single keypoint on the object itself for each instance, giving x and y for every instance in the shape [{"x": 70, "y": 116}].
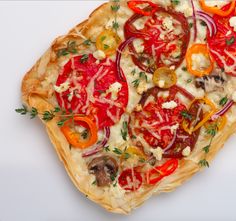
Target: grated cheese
[
  {"x": 232, "y": 22},
  {"x": 169, "y": 105},
  {"x": 186, "y": 151},
  {"x": 62, "y": 87},
  {"x": 158, "y": 152}
]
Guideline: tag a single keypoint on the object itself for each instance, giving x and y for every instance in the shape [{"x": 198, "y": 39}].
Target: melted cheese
[
  {"x": 99, "y": 55},
  {"x": 186, "y": 151},
  {"x": 62, "y": 87},
  {"x": 200, "y": 62},
  {"x": 158, "y": 152},
  {"x": 232, "y": 22},
  {"x": 169, "y": 105},
  {"x": 113, "y": 89}
]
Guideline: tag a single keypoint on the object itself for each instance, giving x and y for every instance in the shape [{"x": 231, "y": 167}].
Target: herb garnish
[
  {"x": 94, "y": 182},
  {"x": 223, "y": 101},
  {"x": 106, "y": 148},
  {"x": 175, "y": 2},
  {"x": 46, "y": 115},
  {"x": 211, "y": 131},
  {"x": 115, "y": 8},
  {"x": 105, "y": 46},
  {"x": 84, "y": 134},
  {"x": 203, "y": 163},
  {"x": 203, "y": 23},
  {"x": 88, "y": 42},
  {"x": 84, "y": 58},
  {"x": 71, "y": 48},
  {"x": 117, "y": 151},
  {"x": 230, "y": 41},
  {"x": 141, "y": 75},
  {"x": 185, "y": 114},
  {"x": 136, "y": 83},
  {"x": 189, "y": 80},
  {"x": 124, "y": 130}
]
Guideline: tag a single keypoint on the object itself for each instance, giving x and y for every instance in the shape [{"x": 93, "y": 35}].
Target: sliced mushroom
[
  {"x": 211, "y": 82},
  {"x": 104, "y": 168}
]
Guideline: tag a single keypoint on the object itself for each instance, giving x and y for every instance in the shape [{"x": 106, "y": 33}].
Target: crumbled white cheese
[
  {"x": 158, "y": 152},
  {"x": 232, "y": 22},
  {"x": 200, "y": 62},
  {"x": 80, "y": 129},
  {"x": 162, "y": 36},
  {"x": 185, "y": 8},
  {"x": 62, "y": 87},
  {"x": 169, "y": 105},
  {"x": 140, "y": 23},
  {"x": 142, "y": 87},
  {"x": 138, "y": 45},
  {"x": 99, "y": 55},
  {"x": 234, "y": 96},
  {"x": 168, "y": 23},
  {"x": 70, "y": 96},
  {"x": 186, "y": 151},
  {"x": 113, "y": 89},
  {"x": 174, "y": 128},
  {"x": 109, "y": 23},
  {"x": 228, "y": 33},
  {"x": 161, "y": 83}
]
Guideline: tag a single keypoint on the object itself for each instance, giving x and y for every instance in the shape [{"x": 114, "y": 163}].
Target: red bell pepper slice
[
  {"x": 147, "y": 11},
  {"x": 159, "y": 172}
]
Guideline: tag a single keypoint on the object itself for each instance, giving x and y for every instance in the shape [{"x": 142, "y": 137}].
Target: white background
[{"x": 33, "y": 183}]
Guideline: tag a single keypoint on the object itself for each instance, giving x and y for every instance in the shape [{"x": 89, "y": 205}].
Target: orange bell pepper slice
[
  {"x": 220, "y": 123},
  {"x": 216, "y": 10},
  {"x": 186, "y": 125},
  {"x": 199, "y": 49},
  {"x": 74, "y": 138}
]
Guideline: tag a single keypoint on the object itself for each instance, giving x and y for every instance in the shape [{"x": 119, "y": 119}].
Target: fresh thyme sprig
[
  {"x": 211, "y": 131},
  {"x": 115, "y": 8},
  {"x": 223, "y": 101},
  {"x": 46, "y": 115},
  {"x": 124, "y": 130},
  {"x": 122, "y": 153},
  {"x": 88, "y": 42},
  {"x": 71, "y": 48},
  {"x": 141, "y": 76}
]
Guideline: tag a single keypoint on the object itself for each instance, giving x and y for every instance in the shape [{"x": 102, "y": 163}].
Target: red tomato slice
[
  {"x": 130, "y": 179},
  {"x": 155, "y": 122},
  {"x": 223, "y": 44},
  {"x": 88, "y": 91},
  {"x": 165, "y": 38},
  {"x": 153, "y": 126}
]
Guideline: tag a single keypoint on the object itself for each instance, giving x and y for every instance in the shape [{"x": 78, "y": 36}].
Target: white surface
[{"x": 33, "y": 182}]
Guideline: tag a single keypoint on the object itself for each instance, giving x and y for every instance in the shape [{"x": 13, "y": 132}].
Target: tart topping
[
  {"x": 104, "y": 168},
  {"x": 94, "y": 89}
]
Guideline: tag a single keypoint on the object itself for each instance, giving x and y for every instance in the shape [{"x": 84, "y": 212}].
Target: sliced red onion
[
  {"x": 119, "y": 51},
  {"x": 171, "y": 142},
  {"x": 209, "y": 21},
  {"x": 99, "y": 146},
  {"x": 194, "y": 20},
  {"x": 221, "y": 112}
]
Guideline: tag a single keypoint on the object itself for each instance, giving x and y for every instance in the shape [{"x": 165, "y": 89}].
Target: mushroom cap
[{"x": 103, "y": 167}]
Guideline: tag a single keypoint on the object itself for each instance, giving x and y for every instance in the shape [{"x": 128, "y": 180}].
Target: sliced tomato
[
  {"x": 223, "y": 44},
  {"x": 165, "y": 38},
  {"x": 130, "y": 179},
  {"x": 155, "y": 124},
  {"x": 88, "y": 91}
]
